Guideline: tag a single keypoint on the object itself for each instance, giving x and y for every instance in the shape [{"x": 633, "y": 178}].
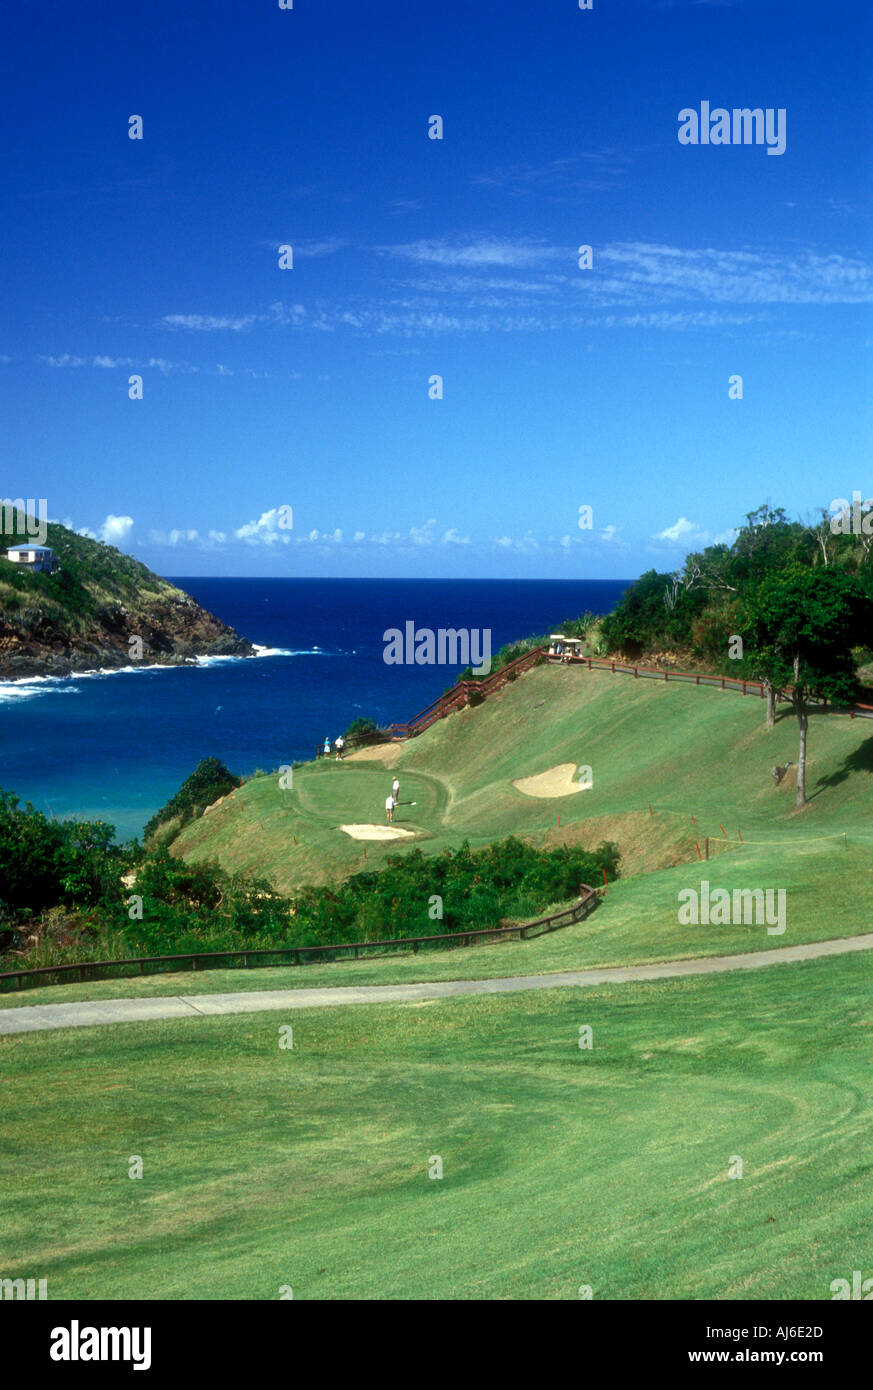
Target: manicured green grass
[
  {"x": 562, "y": 1167},
  {"x": 686, "y": 750}
]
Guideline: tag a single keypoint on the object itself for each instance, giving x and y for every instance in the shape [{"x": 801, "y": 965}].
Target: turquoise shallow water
[{"x": 117, "y": 745}]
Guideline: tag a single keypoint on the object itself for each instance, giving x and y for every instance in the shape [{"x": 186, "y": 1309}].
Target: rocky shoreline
[{"x": 171, "y": 633}]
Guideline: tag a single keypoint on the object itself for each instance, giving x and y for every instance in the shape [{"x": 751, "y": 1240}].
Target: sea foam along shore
[{"x": 28, "y": 687}]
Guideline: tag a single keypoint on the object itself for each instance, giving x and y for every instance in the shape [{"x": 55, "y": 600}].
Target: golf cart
[{"x": 564, "y": 649}]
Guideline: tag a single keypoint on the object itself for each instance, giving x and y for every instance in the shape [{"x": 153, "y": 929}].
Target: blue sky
[{"x": 308, "y": 388}]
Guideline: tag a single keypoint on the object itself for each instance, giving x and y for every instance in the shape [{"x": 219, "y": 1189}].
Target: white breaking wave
[
  {"x": 289, "y": 651},
  {"x": 261, "y": 651},
  {"x": 28, "y": 687},
  {"x": 11, "y": 691}
]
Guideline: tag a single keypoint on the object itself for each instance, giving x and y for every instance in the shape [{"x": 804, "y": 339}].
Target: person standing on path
[
  {"x": 339, "y": 744},
  {"x": 326, "y": 746}
]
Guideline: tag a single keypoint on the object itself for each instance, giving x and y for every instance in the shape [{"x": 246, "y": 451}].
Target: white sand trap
[
  {"x": 378, "y": 832},
  {"x": 386, "y": 753},
  {"x": 558, "y": 781}
]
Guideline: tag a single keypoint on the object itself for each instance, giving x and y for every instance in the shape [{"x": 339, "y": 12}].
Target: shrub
[{"x": 209, "y": 781}]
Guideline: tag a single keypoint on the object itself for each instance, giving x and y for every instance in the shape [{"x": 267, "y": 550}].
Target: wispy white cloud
[
  {"x": 67, "y": 359},
  {"x": 687, "y": 533},
  {"x": 682, "y": 529},
  {"x": 644, "y": 275},
  {"x": 479, "y": 252},
  {"x": 590, "y": 171},
  {"x": 743, "y": 276},
  {"x": 524, "y": 545},
  {"x": 210, "y": 323},
  {"x": 287, "y": 315},
  {"x": 188, "y": 536}
]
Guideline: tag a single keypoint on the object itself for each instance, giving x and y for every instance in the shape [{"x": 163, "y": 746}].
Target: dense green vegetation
[
  {"x": 635, "y": 924},
  {"x": 699, "y": 608},
  {"x": 48, "y": 863},
  {"x": 209, "y": 781},
  {"x": 90, "y": 578},
  {"x": 451, "y": 892},
  {"x": 63, "y": 898},
  {"x": 786, "y": 603}
]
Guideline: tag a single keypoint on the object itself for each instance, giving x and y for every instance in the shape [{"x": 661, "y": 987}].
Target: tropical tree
[{"x": 799, "y": 626}]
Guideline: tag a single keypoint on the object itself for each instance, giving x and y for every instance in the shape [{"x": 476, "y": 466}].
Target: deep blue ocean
[{"x": 116, "y": 746}]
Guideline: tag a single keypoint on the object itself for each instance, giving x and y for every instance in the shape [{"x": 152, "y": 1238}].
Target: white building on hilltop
[{"x": 35, "y": 557}]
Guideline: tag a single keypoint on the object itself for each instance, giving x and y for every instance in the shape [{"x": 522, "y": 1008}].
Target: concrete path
[{"x": 28, "y": 1019}]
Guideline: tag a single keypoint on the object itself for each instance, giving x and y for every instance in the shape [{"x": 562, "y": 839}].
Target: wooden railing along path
[
  {"x": 459, "y": 696},
  {"x": 723, "y": 682},
  {"x": 584, "y": 904}
]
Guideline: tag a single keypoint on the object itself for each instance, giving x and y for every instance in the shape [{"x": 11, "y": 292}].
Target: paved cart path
[{"x": 33, "y": 1018}]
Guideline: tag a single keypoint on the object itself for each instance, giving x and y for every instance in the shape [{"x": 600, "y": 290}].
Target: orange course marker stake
[
  {"x": 650, "y": 808},
  {"x": 605, "y": 879},
  {"x": 723, "y": 831},
  {"x": 740, "y": 833},
  {"x": 697, "y": 847},
  {"x": 693, "y": 821}
]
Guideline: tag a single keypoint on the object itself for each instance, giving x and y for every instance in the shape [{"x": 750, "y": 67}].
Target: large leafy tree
[
  {"x": 800, "y": 625},
  {"x": 765, "y": 545},
  {"x": 657, "y": 608}
]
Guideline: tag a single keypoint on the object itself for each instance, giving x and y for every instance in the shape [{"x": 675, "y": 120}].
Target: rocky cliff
[{"x": 90, "y": 611}]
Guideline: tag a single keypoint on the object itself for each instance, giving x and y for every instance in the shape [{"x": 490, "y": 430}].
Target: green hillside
[
  {"x": 686, "y": 750},
  {"x": 84, "y": 613}
]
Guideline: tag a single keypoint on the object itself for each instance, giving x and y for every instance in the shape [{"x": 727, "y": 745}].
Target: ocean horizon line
[{"x": 392, "y": 579}]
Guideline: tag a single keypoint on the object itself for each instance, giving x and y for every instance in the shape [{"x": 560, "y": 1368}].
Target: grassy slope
[
  {"x": 644, "y": 741},
  {"x": 685, "y": 750},
  {"x": 562, "y": 1167},
  {"x": 92, "y": 576}
]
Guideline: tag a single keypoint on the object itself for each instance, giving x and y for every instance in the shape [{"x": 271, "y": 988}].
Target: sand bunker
[
  {"x": 558, "y": 781},
  {"x": 386, "y": 753},
  {"x": 378, "y": 832}
]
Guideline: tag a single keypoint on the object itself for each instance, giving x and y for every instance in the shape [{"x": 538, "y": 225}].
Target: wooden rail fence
[
  {"x": 724, "y": 682},
  {"x": 460, "y": 695},
  {"x": 83, "y": 970}
]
